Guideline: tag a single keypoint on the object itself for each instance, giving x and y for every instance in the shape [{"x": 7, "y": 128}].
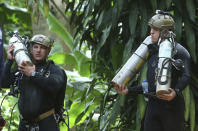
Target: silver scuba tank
[
  {"x": 164, "y": 67},
  {"x": 133, "y": 64},
  {"x": 20, "y": 51}
]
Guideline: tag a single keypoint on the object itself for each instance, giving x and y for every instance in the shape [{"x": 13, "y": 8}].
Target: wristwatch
[
  {"x": 177, "y": 91},
  {"x": 33, "y": 73}
]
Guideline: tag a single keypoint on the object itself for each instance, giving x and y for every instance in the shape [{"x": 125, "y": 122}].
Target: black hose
[
  {"x": 168, "y": 69},
  {"x": 2, "y": 101}
]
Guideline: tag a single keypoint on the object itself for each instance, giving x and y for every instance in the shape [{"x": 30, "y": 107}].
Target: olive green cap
[
  {"x": 162, "y": 22},
  {"x": 41, "y": 39}
]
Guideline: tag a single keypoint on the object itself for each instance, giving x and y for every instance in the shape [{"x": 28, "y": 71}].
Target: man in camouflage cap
[
  {"x": 41, "y": 39},
  {"x": 162, "y": 21},
  {"x": 42, "y": 87},
  {"x": 164, "y": 112},
  {"x": 44, "y": 43}
]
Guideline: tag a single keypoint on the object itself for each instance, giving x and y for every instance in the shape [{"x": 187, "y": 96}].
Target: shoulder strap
[{"x": 49, "y": 63}]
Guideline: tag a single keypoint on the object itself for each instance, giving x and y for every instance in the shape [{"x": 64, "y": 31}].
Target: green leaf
[
  {"x": 192, "y": 113},
  {"x": 83, "y": 63},
  {"x": 56, "y": 27},
  {"x": 141, "y": 101},
  {"x": 164, "y": 4},
  {"x": 168, "y": 3},
  {"x": 178, "y": 25},
  {"x": 35, "y": 14},
  {"x": 107, "y": 19},
  {"x": 104, "y": 121},
  {"x": 143, "y": 73},
  {"x": 14, "y": 15},
  {"x": 99, "y": 21},
  {"x": 186, "y": 94},
  {"x": 140, "y": 110},
  {"x": 143, "y": 20},
  {"x": 80, "y": 110},
  {"x": 75, "y": 90},
  {"x": 133, "y": 16},
  {"x": 127, "y": 50},
  {"x": 141, "y": 105},
  {"x": 116, "y": 11},
  {"x": 191, "y": 9},
  {"x": 153, "y": 4},
  {"x": 57, "y": 47},
  {"x": 64, "y": 59},
  {"x": 105, "y": 34},
  {"x": 89, "y": 107},
  {"x": 115, "y": 110},
  {"x": 63, "y": 127},
  {"x": 46, "y": 7},
  {"x": 120, "y": 5},
  {"x": 178, "y": 5},
  {"x": 89, "y": 8},
  {"x": 116, "y": 55},
  {"x": 190, "y": 39},
  {"x": 75, "y": 110}
]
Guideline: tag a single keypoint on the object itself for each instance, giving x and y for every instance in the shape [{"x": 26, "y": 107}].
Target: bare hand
[
  {"x": 26, "y": 68},
  {"x": 169, "y": 96},
  {"x": 121, "y": 89},
  {"x": 10, "y": 52}
]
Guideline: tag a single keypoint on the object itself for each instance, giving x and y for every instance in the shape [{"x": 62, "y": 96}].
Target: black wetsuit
[
  {"x": 38, "y": 94},
  {"x": 162, "y": 115}
]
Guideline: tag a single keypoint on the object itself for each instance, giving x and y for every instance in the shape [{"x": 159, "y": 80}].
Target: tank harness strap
[
  {"x": 45, "y": 115},
  {"x": 41, "y": 117},
  {"x": 19, "y": 51},
  {"x": 151, "y": 95}
]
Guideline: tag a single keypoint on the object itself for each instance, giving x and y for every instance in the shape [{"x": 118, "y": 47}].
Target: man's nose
[
  {"x": 151, "y": 32},
  {"x": 38, "y": 49}
]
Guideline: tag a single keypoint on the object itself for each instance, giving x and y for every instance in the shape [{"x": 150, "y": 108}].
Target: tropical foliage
[
  {"x": 114, "y": 28},
  {"x": 111, "y": 30}
]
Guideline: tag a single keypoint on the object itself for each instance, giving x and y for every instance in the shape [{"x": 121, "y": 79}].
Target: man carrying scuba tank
[
  {"x": 168, "y": 73},
  {"x": 41, "y": 84}
]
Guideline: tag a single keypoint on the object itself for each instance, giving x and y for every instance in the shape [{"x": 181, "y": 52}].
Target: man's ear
[
  {"x": 48, "y": 50},
  {"x": 30, "y": 50}
]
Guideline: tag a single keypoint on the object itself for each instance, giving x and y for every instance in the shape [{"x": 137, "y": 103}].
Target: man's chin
[
  {"x": 38, "y": 59},
  {"x": 154, "y": 41}
]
